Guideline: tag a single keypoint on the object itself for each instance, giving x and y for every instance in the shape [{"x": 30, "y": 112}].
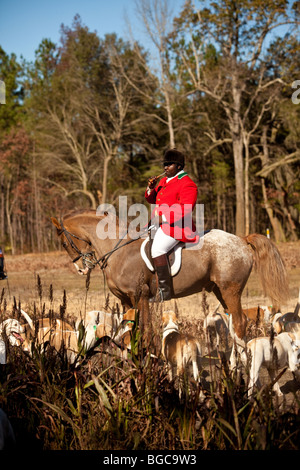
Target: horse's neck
[{"x": 102, "y": 245}]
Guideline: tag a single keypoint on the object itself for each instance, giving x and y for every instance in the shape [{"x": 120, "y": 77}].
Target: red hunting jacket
[{"x": 175, "y": 201}]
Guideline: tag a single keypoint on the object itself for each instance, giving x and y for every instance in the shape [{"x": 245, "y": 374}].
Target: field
[
  {"x": 56, "y": 269},
  {"x": 105, "y": 404}
]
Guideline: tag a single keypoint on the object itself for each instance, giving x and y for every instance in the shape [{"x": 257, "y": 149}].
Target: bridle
[{"x": 89, "y": 259}]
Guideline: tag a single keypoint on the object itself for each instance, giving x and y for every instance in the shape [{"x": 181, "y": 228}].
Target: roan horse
[{"x": 222, "y": 266}]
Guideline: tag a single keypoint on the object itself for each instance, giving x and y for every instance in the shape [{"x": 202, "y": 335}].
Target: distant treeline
[{"x": 90, "y": 119}]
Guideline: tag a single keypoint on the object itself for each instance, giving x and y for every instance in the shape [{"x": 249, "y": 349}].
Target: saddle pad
[{"x": 174, "y": 258}]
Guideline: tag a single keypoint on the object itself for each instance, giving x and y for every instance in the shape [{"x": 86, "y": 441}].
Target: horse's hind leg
[{"x": 230, "y": 297}]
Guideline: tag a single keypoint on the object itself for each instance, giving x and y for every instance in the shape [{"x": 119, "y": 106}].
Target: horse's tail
[{"x": 270, "y": 267}]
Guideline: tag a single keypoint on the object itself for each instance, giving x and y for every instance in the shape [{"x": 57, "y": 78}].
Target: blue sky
[{"x": 24, "y": 23}]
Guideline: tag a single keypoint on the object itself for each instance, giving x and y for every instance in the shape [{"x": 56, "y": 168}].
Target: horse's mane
[
  {"x": 87, "y": 212},
  {"x": 77, "y": 212}
]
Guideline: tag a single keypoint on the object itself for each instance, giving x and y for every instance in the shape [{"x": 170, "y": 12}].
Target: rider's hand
[{"x": 152, "y": 182}]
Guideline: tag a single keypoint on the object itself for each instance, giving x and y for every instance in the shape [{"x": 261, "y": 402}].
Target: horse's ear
[{"x": 56, "y": 223}]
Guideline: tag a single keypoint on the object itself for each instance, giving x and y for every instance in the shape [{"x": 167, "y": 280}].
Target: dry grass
[
  {"x": 55, "y": 269},
  {"x": 106, "y": 403},
  {"x": 109, "y": 404}
]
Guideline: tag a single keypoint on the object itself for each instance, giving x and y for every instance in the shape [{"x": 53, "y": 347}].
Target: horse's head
[{"x": 77, "y": 246}]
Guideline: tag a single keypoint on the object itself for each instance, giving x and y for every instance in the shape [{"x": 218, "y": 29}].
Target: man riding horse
[
  {"x": 174, "y": 197},
  {"x": 222, "y": 265}
]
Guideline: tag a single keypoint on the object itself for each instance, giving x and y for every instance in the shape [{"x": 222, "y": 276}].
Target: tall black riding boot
[{"x": 162, "y": 268}]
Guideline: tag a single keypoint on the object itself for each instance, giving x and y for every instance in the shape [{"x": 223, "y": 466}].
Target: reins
[{"x": 107, "y": 255}]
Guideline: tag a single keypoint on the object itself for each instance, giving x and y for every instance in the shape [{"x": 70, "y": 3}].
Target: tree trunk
[
  {"x": 37, "y": 219},
  {"x": 234, "y": 116},
  {"x": 276, "y": 225},
  {"x": 247, "y": 202},
  {"x": 224, "y": 227},
  {"x": 104, "y": 178},
  {"x": 218, "y": 210},
  {"x": 8, "y": 217},
  {"x": 239, "y": 186},
  {"x": 170, "y": 120},
  {"x": 2, "y": 211}
]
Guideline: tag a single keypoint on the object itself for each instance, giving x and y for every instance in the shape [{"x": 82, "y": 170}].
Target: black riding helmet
[{"x": 174, "y": 156}]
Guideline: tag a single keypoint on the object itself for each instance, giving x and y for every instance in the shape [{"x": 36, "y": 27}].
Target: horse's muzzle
[{"x": 82, "y": 272}]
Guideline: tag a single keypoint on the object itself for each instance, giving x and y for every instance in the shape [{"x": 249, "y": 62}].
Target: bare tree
[
  {"x": 68, "y": 151},
  {"x": 156, "y": 17},
  {"x": 239, "y": 31},
  {"x": 92, "y": 111}
]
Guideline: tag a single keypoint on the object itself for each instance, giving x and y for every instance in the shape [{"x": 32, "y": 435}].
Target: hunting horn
[{"x": 154, "y": 178}]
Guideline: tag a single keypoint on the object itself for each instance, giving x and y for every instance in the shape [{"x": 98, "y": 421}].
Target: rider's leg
[{"x": 161, "y": 245}]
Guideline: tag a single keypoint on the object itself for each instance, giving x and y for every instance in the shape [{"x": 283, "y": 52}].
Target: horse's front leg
[
  {"x": 144, "y": 318},
  {"x": 150, "y": 337}
]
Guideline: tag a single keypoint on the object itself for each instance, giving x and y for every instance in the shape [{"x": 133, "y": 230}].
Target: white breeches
[{"x": 162, "y": 243}]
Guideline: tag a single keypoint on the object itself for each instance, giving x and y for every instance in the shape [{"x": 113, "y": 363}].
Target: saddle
[{"x": 174, "y": 257}]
